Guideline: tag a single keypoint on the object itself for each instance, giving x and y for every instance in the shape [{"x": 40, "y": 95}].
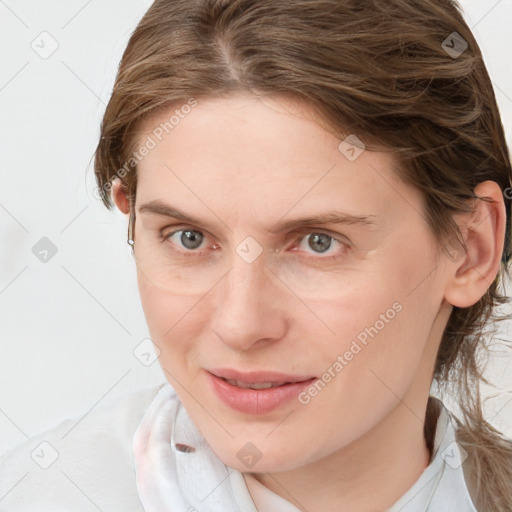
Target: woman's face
[{"x": 351, "y": 308}]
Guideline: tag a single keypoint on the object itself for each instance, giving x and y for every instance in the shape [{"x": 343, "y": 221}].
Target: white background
[{"x": 69, "y": 327}]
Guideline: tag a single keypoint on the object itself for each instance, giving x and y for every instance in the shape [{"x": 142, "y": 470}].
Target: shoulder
[{"x": 85, "y": 462}]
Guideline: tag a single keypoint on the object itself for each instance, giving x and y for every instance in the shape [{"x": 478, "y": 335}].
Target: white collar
[{"x": 171, "y": 480}]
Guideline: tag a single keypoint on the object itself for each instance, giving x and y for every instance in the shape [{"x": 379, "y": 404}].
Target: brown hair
[{"x": 381, "y": 69}]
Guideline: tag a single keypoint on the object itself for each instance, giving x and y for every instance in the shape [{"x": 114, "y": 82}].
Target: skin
[{"x": 241, "y": 164}]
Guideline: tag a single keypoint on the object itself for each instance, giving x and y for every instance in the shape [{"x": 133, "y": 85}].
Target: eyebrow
[{"x": 332, "y": 217}]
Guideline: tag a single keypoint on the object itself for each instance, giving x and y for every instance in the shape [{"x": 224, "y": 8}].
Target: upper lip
[{"x": 256, "y": 377}]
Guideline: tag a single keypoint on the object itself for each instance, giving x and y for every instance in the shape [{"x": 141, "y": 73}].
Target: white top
[{"x": 123, "y": 457}]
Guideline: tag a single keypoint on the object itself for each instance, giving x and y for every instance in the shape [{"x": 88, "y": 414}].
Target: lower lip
[{"x": 256, "y": 401}]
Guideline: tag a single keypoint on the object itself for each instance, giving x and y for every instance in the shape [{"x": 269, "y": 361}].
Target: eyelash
[{"x": 298, "y": 236}]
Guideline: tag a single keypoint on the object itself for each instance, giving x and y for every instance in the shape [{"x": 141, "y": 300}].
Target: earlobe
[
  {"x": 119, "y": 196},
  {"x": 484, "y": 233}
]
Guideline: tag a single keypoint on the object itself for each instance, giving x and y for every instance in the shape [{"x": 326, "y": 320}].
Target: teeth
[{"x": 256, "y": 385}]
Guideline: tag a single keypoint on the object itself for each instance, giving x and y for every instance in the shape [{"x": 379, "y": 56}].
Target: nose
[{"x": 249, "y": 305}]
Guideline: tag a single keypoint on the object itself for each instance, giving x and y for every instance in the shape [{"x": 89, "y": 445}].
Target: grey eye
[
  {"x": 191, "y": 239},
  {"x": 320, "y": 241}
]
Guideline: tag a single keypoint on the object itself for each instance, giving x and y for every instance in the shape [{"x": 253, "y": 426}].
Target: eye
[
  {"x": 321, "y": 242},
  {"x": 190, "y": 239}
]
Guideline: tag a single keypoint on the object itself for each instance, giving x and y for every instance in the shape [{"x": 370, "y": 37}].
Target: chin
[{"x": 261, "y": 459}]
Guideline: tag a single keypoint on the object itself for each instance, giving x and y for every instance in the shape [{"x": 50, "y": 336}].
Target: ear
[
  {"x": 474, "y": 271},
  {"x": 119, "y": 196}
]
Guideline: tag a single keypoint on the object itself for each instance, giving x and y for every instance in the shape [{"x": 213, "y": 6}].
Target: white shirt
[{"x": 123, "y": 457}]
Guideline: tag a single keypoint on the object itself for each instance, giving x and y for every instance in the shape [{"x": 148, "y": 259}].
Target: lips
[{"x": 256, "y": 393}]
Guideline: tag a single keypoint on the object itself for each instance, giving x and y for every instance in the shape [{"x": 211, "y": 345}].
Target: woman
[{"x": 319, "y": 210}]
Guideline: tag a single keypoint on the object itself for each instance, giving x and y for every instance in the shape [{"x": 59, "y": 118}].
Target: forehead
[{"x": 244, "y": 153}]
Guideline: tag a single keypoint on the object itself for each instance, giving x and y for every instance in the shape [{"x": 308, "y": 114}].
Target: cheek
[
  {"x": 372, "y": 332},
  {"x": 172, "y": 320},
  {"x": 379, "y": 325},
  {"x": 366, "y": 370}
]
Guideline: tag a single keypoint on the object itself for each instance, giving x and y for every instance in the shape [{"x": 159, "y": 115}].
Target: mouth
[
  {"x": 257, "y": 392},
  {"x": 258, "y": 379}
]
